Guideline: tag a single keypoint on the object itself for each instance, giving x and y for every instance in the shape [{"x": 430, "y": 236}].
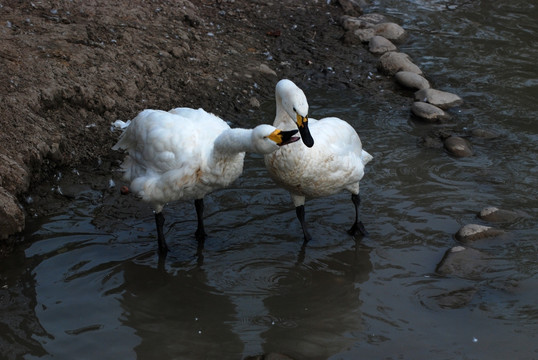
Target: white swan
[
  {"x": 185, "y": 154},
  {"x": 334, "y": 163}
]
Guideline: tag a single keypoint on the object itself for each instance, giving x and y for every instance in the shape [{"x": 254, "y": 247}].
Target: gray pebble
[
  {"x": 458, "y": 146},
  {"x": 494, "y": 214},
  {"x": 463, "y": 262},
  {"x": 411, "y": 80},
  {"x": 390, "y": 31},
  {"x": 472, "y": 232},
  {"x": 380, "y": 45},
  {"x": 429, "y": 112},
  {"x": 439, "y": 98},
  {"x": 392, "y": 62},
  {"x": 485, "y": 133}
]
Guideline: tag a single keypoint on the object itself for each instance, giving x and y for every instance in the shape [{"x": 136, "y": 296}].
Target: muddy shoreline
[{"x": 73, "y": 68}]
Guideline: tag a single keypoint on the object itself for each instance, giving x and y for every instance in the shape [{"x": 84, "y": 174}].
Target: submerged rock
[
  {"x": 472, "y": 232},
  {"x": 380, "y": 45},
  {"x": 494, "y": 214},
  {"x": 458, "y": 146},
  {"x": 455, "y": 299},
  {"x": 411, "y": 80},
  {"x": 428, "y": 112},
  {"x": 485, "y": 133},
  {"x": 392, "y": 62},
  {"x": 463, "y": 262}
]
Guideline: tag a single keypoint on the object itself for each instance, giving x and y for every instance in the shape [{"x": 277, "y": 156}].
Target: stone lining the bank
[{"x": 431, "y": 105}]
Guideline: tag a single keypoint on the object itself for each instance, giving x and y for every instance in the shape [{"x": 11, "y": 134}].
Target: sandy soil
[{"x": 70, "y": 68}]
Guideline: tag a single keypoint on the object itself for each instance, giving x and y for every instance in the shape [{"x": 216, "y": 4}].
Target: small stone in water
[
  {"x": 428, "y": 112},
  {"x": 472, "y": 232},
  {"x": 494, "y": 214},
  {"x": 458, "y": 146},
  {"x": 441, "y": 99}
]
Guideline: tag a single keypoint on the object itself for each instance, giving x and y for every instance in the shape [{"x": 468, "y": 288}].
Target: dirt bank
[{"x": 70, "y": 68}]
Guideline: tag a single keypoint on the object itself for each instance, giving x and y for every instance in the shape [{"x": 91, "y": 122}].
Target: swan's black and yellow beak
[
  {"x": 302, "y": 124},
  {"x": 284, "y": 137}
]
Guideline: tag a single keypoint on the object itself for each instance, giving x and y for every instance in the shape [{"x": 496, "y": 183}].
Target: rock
[
  {"x": 463, "y": 262},
  {"x": 380, "y": 45},
  {"x": 356, "y": 36},
  {"x": 351, "y": 23},
  {"x": 455, "y": 299},
  {"x": 428, "y": 112},
  {"x": 54, "y": 153},
  {"x": 392, "y": 62},
  {"x": 11, "y": 215},
  {"x": 431, "y": 142},
  {"x": 472, "y": 232},
  {"x": 441, "y": 99},
  {"x": 178, "y": 52},
  {"x": 264, "y": 69},
  {"x": 411, "y": 80},
  {"x": 494, "y": 214},
  {"x": 351, "y": 7},
  {"x": 458, "y": 146},
  {"x": 255, "y": 103},
  {"x": 485, "y": 133},
  {"x": 390, "y": 31},
  {"x": 373, "y": 18}
]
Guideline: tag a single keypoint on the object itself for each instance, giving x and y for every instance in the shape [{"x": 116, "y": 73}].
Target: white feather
[
  {"x": 334, "y": 163},
  {"x": 184, "y": 154}
]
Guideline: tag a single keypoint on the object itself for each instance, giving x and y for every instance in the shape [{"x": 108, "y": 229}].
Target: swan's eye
[{"x": 294, "y": 109}]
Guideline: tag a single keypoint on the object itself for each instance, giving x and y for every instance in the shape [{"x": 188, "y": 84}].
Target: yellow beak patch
[
  {"x": 276, "y": 136},
  {"x": 301, "y": 120}
]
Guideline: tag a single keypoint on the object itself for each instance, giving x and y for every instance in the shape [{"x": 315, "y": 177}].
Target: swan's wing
[
  {"x": 339, "y": 148},
  {"x": 159, "y": 141}
]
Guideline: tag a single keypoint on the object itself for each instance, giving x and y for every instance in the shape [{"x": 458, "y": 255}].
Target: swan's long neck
[
  {"x": 282, "y": 119},
  {"x": 233, "y": 141}
]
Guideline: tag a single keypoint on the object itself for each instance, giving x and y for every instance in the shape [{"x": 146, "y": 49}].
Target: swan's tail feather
[
  {"x": 366, "y": 157},
  {"x": 120, "y": 125}
]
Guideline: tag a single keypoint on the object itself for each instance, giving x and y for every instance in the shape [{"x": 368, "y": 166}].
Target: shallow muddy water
[{"x": 87, "y": 282}]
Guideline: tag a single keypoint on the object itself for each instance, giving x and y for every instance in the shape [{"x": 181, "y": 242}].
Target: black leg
[
  {"x": 299, "y": 210},
  {"x": 200, "y": 231},
  {"x": 357, "y": 225},
  {"x": 159, "y": 221}
]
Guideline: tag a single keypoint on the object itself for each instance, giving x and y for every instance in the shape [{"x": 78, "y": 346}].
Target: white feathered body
[
  {"x": 171, "y": 155},
  {"x": 335, "y": 162}
]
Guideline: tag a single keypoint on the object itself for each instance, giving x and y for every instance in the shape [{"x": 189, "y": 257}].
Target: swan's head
[
  {"x": 293, "y": 100},
  {"x": 267, "y": 138}
]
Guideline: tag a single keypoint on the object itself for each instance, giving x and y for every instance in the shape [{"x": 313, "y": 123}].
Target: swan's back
[{"x": 168, "y": 152}]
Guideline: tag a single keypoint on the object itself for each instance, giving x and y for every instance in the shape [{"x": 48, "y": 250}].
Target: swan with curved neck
[
  {"x": 329, "y": 160},
  {"x": 185, "y": 154}
]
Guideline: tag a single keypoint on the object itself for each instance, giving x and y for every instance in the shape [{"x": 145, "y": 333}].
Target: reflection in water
[
  {"x": 177, "y": 316},
  {"x": 315, "y": 319},
  {"x": 19, "y": 323}
]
